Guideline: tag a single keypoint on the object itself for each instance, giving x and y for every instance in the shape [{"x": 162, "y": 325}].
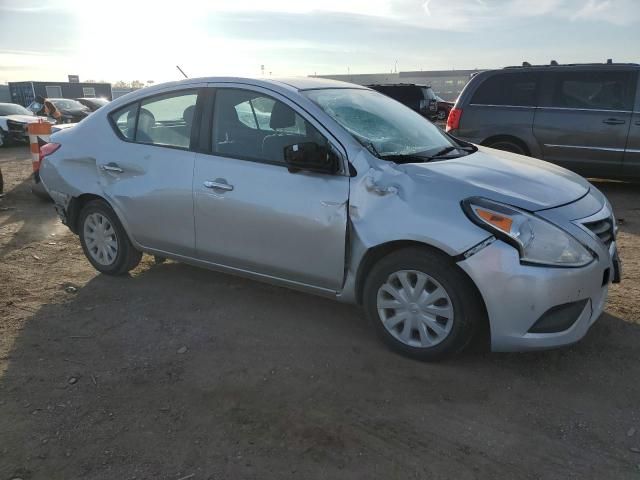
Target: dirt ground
[{"x": 181, "y": 373}]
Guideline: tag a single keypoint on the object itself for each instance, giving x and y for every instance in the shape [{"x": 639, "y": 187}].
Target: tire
[
  {"x": 100, "y": 229},
  {"x": 442, "y": 115},
  {"x": 431, "y": 336},
  {"x": 508, "y": 146}
]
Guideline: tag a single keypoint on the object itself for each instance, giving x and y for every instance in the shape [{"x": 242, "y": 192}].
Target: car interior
[{"x": 241, "y": 130}]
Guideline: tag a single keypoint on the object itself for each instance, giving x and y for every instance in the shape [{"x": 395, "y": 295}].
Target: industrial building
[{"x": 23, "y": 93}]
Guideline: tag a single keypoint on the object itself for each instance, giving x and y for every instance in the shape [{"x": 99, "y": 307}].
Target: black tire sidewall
[
  {"x": 121, "y": 264},
  {"x": 459, "y": 288}
]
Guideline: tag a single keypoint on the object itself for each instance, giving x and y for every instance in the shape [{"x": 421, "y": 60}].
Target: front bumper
[{"x": 517, "y": 296}]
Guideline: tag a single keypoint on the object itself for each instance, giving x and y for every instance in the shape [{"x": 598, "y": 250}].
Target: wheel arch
[
  {"x": 376, "y": 253},
  {"x": 75, "y": 207},
  {"x": 507, "y": 138}
]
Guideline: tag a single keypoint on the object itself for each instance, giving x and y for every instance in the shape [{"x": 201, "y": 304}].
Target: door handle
[
  {"x": 111, "y": 167},
  {"x": 218, "y": 184},
  {"x": 614, "y": 121},
  {"x": 638, "y": 124}
]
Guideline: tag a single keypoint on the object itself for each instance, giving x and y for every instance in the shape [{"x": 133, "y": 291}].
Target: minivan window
[
  {"x": 513, "y": 89},
  {"x": 593, "y": 90},
  {"x": 253, "y": 126},
  {"x": 167, "y": 119},
  {"x": 382, "y": 125}
]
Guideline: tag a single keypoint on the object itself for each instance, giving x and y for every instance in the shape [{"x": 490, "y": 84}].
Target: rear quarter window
[
  {"x": 514, "y": 89},
  {"x": 124, "y": 120}
]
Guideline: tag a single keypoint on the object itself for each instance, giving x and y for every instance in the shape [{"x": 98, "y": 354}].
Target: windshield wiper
[
  {"x": 405, "y": 158},
  {"x": 422, "y": 158},
  {"x": 442, "y": 152}
]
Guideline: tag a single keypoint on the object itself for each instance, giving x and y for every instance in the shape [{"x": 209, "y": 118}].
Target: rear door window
[
  {"x": 513, "y": 89},
  {"x": 167, "y": 119},
  {"x": 594, "y": 90}
]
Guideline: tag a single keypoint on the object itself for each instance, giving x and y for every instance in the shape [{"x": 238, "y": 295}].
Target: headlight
[{"x": 538, "y": 241}]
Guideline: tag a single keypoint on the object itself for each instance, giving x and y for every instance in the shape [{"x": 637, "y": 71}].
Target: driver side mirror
[{"x": 311, "y": 157}]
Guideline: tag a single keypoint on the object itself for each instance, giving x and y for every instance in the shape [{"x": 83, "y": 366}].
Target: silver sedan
[{"x": 338, "y": 190}]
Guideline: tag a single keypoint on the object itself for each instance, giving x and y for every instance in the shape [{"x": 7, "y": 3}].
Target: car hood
[
  {"x": 520, "y": 181},
  {"x": 22, "y": 118}
]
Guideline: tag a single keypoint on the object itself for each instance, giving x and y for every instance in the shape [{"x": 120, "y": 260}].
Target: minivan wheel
[
  {"x": 104, "y": 241},
  {"x": 507, "y": 146},
  {"x": 422, "y": 304}
]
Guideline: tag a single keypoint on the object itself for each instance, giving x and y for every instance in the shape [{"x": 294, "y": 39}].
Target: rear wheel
[
  {"x": 104, "y": 240},
  {"x": 422, "y": 304},
  {"x": 508, "y": 146},
  {"x": 442, "y": 115}
]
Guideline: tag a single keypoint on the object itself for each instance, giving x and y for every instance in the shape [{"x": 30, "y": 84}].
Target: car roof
[
  {"x": 419, "y": 85},
  {"x": 291, "y": 83},
  {"x": 315, "y": 83},
  {"x": 573, "y": 66}
]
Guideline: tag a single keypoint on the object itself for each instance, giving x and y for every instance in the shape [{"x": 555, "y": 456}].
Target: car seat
[{"x": 282, "y": 117}]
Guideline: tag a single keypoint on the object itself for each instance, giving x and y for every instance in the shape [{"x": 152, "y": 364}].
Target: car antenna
[{"x": 185, "y": 75}]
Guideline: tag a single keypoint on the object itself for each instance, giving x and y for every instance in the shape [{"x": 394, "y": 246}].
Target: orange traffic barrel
[{"x": 39, "y": 133}]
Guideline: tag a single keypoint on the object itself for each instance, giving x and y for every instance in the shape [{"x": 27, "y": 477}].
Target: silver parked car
[{"x": 338, "y": 190}]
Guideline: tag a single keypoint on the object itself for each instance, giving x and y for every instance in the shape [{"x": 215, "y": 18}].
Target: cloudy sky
[{"x": 144, "y": 40}]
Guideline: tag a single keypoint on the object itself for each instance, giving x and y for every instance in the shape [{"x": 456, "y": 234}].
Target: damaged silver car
[{"x": 338, "y": 190}]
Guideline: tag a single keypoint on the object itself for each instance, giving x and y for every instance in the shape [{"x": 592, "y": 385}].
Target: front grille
[
  {"x": 16, "y": 127},
  {"x": 603, "y": 229}
]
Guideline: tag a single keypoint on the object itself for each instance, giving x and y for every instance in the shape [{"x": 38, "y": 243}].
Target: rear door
[
  {"x": 251, "y": 213},
  {"x": 631, "y": 166},
  {"x": 147, "y": 175},
  {"x": 583, "y": 121}
]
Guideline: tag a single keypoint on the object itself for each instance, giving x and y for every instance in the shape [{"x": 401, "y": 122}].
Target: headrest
[
  {"x": 282, "y": 116},
  {"x": 187, "y": 115}
]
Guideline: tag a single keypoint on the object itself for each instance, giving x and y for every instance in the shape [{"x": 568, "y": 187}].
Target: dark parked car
[
  {"x": 420, "y": 98},
  {"x": 585, "y": 117},
  {"x": 444, "y": 107},
  {"x": 93, "y": 103},
  {"x": 72, "y": 111}
]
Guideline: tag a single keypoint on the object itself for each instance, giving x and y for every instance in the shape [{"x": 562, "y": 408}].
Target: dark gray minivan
[{"x": 585, "y": 117}]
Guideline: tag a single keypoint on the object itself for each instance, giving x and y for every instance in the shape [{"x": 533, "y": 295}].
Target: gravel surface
[{"x": 176, "y": 372}]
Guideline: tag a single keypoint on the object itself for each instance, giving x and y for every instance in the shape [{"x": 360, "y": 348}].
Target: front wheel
[
  {"x": 422, "y": 304},
  {"x": 104, "y": 240}
]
